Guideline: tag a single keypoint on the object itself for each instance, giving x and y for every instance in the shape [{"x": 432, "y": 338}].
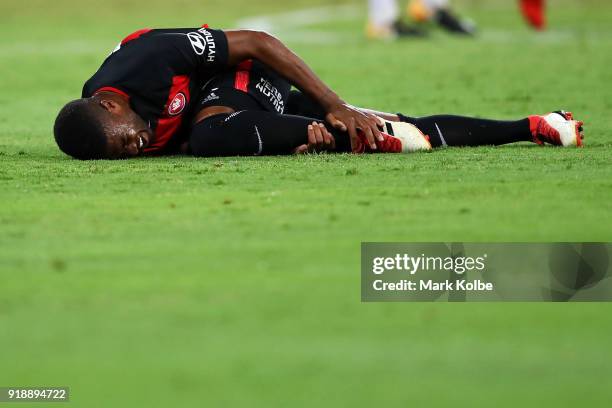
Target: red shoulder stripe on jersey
[
  {"x": 112, "y": 89},
  {"x": 135, "y": 35},
  {"x": 168, "y": 125},
  {"x": 243, "y": 75},
  {"x": 205, "y": 26}
]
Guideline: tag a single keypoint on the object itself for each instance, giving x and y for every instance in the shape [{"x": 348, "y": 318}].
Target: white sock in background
[{"x": 383, "y": 13}]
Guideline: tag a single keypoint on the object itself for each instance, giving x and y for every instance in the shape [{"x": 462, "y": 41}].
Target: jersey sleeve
[{"x": 202, "y": 49}]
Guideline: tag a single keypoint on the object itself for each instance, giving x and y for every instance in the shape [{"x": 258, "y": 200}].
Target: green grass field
[{"x": 182, "y": 282}]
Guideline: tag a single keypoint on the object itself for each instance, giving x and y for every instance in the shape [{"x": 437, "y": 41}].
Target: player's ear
[{"x": 110, "y": 105}]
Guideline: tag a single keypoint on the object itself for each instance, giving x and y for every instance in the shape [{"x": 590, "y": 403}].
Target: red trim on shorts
[
  {"x": 112, "y": 89},
  {"x": 135, "y": 35},
  {"x": 243, "y": 75},
  {"x": 168, "y": 125}
]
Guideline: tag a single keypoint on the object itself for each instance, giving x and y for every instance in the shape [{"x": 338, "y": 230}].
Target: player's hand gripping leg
[
  {"x": 350, "y": 119},
  {"x": 319, "y": 139}
]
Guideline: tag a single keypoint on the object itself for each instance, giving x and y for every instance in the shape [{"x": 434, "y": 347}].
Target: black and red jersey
[{"x": 161, "y": 72}]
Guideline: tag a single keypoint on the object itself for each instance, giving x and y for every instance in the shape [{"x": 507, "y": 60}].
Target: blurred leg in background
[
  {"x": 534, "y": 13},
  {"x": 384, "y": 21},
  {"x": 439, "y": 12}
]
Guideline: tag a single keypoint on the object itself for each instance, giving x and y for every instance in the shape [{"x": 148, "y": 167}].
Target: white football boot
[
  {"x": 402, "y": 137},
  {"x": 398, "y": 137}
]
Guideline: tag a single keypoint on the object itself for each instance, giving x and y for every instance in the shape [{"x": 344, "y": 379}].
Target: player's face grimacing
[
  {"x": 125, "y": 139},
  {"x": 127, "y": 133}
]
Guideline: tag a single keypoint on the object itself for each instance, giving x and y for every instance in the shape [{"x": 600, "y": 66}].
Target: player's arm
[
  {"x": 246, "y": 44},
  {"x": 391, "y": 117}
]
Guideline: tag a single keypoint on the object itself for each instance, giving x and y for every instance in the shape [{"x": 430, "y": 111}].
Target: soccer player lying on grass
[{"x": 213, "y": 93}]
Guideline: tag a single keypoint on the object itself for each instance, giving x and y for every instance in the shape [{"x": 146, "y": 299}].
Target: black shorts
[
  {"x": 249, "y": 86},
  {"x": 230, "y": 97}
]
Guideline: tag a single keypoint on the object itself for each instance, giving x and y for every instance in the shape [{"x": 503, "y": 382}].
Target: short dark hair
[{"x": 79, "y": 131}]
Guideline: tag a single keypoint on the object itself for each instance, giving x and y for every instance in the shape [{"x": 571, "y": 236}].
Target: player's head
[{"x": 101, "y": 127}]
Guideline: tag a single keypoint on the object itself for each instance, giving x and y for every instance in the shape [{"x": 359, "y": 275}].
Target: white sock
[{"x": 383, "y": 13}]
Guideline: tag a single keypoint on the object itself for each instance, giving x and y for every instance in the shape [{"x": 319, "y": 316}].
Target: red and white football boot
[
  {"x": 557, "y": 128},
  {"x": 398, "y": 137}
]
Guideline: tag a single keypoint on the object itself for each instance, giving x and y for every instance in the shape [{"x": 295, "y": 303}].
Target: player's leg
[
  {"x": 440, "y": 12},
  {"x": 557, "y": 128},
  {"x": 381, "y": 16},
  {"x": 384, "y": 21},
  {"x": 451, "y": 130},
  {"x": 251, "y": 132},
  {"x": 300, "y": 104}
]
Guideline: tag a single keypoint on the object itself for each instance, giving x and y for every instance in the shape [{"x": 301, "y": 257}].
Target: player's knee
[
  {"x": 203, "y": 139},
  {"x": 224, "y": 135}
]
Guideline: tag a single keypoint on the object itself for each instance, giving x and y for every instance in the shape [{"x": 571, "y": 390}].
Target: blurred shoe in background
[
  {"x": 393, "y": 31},
  {"x": 534, "y": 13},
  {"x": 384, "y": 22},
  {"x": 439, "y": 11}
]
